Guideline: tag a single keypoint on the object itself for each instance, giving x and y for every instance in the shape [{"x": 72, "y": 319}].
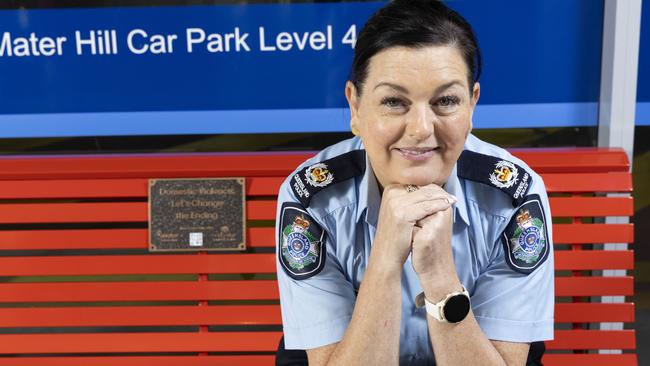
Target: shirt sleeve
[
  {"x": 513, "y": 300},
  {"x": 316, "y": 308}
]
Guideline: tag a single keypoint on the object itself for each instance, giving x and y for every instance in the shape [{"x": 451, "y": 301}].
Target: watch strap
[{"x": 436, "y": 309}]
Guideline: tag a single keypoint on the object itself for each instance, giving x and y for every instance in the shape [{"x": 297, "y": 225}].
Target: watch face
[{"x": 456, "y": 308}]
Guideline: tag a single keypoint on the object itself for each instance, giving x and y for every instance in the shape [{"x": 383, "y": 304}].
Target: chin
[
  {"x": 434, "y": 170},
  {"x": 421, "y": 179}
]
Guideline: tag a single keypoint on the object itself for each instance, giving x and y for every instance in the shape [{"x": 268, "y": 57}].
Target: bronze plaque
[{"x": 197, "y": 214}]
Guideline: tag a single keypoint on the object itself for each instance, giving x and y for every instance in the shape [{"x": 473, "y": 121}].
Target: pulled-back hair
[{"x": 416, "y": 24}]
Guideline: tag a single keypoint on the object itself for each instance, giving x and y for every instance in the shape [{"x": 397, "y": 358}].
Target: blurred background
[{"x": 117, "y": 84}]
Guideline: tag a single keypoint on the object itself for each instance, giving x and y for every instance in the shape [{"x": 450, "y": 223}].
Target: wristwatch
[{"x": 452, "y": 309}]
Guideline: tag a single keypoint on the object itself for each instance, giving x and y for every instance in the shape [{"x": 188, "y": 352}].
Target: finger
[
  {"x": 414, "y": 199},
  {"x": 420, "y": 210},
  {"x": 416, "y": 229},
  {"x": 414, "y": 233},
  {"x": 425, "y": 222},
  {"x": 430, "y": 192}
]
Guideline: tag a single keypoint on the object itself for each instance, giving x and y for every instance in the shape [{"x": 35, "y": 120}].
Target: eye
[
  {"x": 393, "y": 102},
  {"x": 448, "y": 101}
]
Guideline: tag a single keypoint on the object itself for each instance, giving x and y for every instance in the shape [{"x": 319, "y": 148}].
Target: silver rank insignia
[
  {"x": 504, "y": 175},
  {"x": 525, "y": 238},
  {"x": 318, "y": 175},
  {"x": 302, "y": 244}
]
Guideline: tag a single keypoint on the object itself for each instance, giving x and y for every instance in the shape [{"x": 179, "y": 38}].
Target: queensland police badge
[
  {"x": 525, "y": 238},
  {"x": 301, "y": 242}
]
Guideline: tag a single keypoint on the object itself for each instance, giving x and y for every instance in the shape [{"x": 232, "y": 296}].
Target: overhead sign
[{"x": 261, "y": 68}]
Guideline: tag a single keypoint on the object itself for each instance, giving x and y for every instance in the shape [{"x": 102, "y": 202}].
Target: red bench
[{"x": 79, "y": 286}]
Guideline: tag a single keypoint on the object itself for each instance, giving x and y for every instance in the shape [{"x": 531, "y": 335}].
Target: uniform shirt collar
[
  {"x": 454, "y": 186},
  {"x": 369, "y": 197}
]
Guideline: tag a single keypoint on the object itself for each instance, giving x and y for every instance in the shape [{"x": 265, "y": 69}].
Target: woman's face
[{"x": 414, "y": 113}]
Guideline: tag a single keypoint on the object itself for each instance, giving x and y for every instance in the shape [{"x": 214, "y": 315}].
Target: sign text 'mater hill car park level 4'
[{"x": 139, "y": 41}]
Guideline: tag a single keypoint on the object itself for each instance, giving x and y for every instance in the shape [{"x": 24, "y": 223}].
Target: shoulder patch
[
  {"x": 312, "y": 179},
  {"x": 505, "y": 175},
  {"x": 302, "y": 242},
  {"x": 525, "y": 239}
]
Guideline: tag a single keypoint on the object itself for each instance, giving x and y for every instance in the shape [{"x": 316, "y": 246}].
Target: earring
[{"x": 355, "y": 131}]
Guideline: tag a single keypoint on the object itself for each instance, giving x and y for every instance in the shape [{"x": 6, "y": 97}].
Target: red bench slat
[
  {"x": 109, "y": 188},
  {"x": 240, "y": 315},
  {"x": 565, "y": 160},
  {"x": 256, "y": 237},
  {"x": 240, "y": 360},
  {"x": 237, "y": 263},
  {"x": 594, "y": 286},
  {"x": 104, "y": 212},
  {"x": 258, "y": 210},
  {"x": 593, "y": 233},
  {"x": 551, "y": 359},
  {"x": 259, "y": 237},
  {"x": 240, "y": 290},
  {"x": 591, "y": 206},
  {"x": 588, "y": 182},
  {"x": 592, "y": 339},
  {"x": 139, "y": 291},
  {"x": 73, "y": 212},
  {"x": 594, "y": 312},
  {"x": 137, "y": 264},
  {"x": 594, "y": 259},
  {"x": 562, "y": 160},
  {"x": 140, "y": 342},
  {"x": 263, "y": 186},
  {"x": 140, "y": 316},
  {"x": 150, "y": 166}
]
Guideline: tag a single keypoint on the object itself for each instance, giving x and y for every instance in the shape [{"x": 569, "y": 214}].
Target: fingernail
[{"x": 452, "y": 198}]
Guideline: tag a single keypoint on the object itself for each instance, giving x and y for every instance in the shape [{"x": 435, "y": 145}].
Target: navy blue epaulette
[
  {"x": 496, "y": 172},
  {"x": 312, "y": 179}
]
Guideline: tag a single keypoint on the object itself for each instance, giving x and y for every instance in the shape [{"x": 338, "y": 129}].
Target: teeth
[{"x": 414, "y": 152}]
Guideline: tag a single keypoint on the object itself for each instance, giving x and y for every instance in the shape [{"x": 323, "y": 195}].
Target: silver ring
[{"x": 411, "y": 188}]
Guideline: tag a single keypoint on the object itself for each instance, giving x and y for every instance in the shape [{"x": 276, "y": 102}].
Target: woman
[{"x": 414, "y": 211}]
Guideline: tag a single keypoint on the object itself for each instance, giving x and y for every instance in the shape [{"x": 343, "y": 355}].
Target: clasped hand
[{"x": 419, "y": 222}]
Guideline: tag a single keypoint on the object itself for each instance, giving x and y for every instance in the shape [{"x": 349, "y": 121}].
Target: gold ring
[{"x": 411, "y": 188}]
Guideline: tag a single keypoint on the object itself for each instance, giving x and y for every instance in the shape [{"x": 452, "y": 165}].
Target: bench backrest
[{"x": 79, "y": 287}]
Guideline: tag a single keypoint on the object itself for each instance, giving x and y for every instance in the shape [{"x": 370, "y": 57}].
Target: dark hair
[{"x": 414, "y": 23}]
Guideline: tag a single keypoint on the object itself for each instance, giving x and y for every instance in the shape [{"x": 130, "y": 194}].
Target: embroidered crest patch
[
  {"x": 504, "y": 175},
  {"x": 525, "y": 239},
  {"x": 318, "y": 175},
  {"x": 302, "y": 242}
]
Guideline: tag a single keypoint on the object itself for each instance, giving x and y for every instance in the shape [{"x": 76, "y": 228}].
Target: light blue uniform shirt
[{"x": 508, "y": 305}]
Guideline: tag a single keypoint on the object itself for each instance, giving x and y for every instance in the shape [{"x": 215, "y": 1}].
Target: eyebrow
[
  {"x": 394, "y": 86},
  {"x": 406, "y": 91}
]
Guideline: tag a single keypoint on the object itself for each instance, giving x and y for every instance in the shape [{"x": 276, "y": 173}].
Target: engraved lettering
[{"x": 522, "y": 186}]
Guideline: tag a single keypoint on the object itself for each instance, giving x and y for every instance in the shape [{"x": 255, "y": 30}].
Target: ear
[
  {"x": 353, "y": 103},
  {"x": 476, "y": 93}
]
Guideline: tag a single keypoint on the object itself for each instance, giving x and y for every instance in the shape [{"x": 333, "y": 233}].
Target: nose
[{"x": 419, "y": 124}]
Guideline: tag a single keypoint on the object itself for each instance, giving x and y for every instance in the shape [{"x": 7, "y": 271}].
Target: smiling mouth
[
  {"x": 417, "y": 154},
  {"x": 417, "y": 151}
]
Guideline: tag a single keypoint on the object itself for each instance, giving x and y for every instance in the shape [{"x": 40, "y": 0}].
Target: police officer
[{"x": 414, "y": 235}]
